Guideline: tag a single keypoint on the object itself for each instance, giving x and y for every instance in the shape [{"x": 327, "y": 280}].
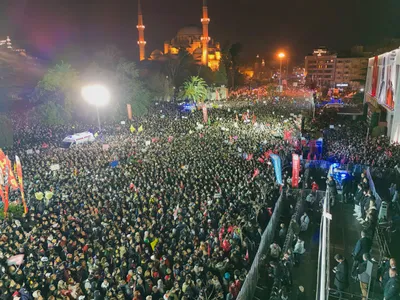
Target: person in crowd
[
  {"x": 304, "y": 222},
  {"x": 384, "y": 278},
  {"x": 363, "y": 246},
  {"x": 331, "y": 186},
  {"x": 363, "y": 276},
  {"x": 341, "y": 280},
  {"x": 391, "y": 290},
  {"x": 298, "y": 251}
]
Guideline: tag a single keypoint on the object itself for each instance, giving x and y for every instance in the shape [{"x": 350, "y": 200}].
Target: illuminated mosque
[{"x": 194, "y": 39}]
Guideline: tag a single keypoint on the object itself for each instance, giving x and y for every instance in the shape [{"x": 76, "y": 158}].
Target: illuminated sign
[
  {"x": 319, "y": 52},
  {"x": 342, "y": 84}
]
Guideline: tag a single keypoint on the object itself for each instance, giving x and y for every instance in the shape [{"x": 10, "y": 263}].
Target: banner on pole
[
  {"x": 129, "y": 109},
  {"x": 276, "y": 161},
  {"x": 295, "y": 170},
  {"x": 205, "y": 114}
]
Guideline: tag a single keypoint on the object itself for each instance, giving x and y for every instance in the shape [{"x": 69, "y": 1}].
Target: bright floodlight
[
  {"x": 281, "y": 55},
  {"x": 96, "y": 94}
]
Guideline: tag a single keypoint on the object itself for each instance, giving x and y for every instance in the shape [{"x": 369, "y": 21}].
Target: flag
[
  {"x": 249, "y": 157},
  {"x": 140, "y": 129},
  {"x": 21, "y": 182},
  {"x": 39, "y": 196},
  {"x": 96, "y": 134},
  {"x": 254, "y": 119},
  {"x": 154, "y": 140},
  {"x": 205, "y": 114},
  {"x": 276, "y": 160},
  {"x": 256, "y": 173},
  {"x": 11, "y": 178},
  {"x": 3, "y": 162},
  {"x": 154, "y": 243},
  {"x": 15, "y": 260},
  {"x": 129, "y": 109},
  {"x": 132, "y": 129},
  {"x": 176, "y": 212},
  {"x": 295, "y": 170},
  {"x": 48, "y": 195},
  {"x": 237, "y": 118},
  {"x": 247, "y": 255},
  {"x": 170, "y": 138},
  {"x": 261, "y": 160}
]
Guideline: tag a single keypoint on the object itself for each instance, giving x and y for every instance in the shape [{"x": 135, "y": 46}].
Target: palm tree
[{"x": 195, "y": 88}]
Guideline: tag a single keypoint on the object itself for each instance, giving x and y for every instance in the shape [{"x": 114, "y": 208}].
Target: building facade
[
  {"x": 327, "y": 69},
  {"x": 320, "y": 67},
  {"x": 351, "y": 71},
  {"x": 382, "y": 93}
]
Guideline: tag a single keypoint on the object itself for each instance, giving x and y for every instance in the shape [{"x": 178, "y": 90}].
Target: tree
[
  {"x": 195, "y": 88},
  {"x": 50, "y": 113},
  {"x": 177, "y": 66},
  {"x": 6, "y": 132},
  {"x": 220, "y": 76},
  {"x": 131, "y": 90},
  {"x": 59, "y": 84}
]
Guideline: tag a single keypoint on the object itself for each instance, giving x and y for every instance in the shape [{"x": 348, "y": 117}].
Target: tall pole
[
  {"x": 280, "y": 73},
  {"x": 140, "y": 27},
  {"x": 205, "y": 38},
  {"x": 98, "y": 117}
]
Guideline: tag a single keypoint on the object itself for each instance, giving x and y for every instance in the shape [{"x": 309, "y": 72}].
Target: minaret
[
  {"x": 205, "y": 38},
  {"x": 141, "y": 42}
]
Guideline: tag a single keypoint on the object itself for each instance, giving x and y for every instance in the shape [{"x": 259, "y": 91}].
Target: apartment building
[{"x": 327, "y": 69}]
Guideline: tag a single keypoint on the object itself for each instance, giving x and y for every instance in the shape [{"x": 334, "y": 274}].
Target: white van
[{"x": 77, "y": 138}]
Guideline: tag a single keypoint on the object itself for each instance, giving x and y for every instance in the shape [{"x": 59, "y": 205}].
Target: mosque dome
[
  {"x": 156, "y": 54},
  {"x": 190, "y": 30}
]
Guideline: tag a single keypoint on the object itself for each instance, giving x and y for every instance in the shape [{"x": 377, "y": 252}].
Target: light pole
[
  {"x": 281, "y": 55},
  {"x": 97, "y": 95}
]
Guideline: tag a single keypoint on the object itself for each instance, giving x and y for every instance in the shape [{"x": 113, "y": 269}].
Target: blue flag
[
  {"x": 276, "y": 160},
  {"x": 114, "y": 163}
]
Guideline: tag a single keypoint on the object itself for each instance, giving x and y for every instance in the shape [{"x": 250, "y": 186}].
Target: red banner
[
  {"x": 21, "y": 183},
  {"x": 3, "y": 162},
  {"x": 375, "y": 74},
  {"x": 129, "y": 110},
  {"x": 205, "y": 114},
  {"x": 11, "y": 178},
  {"x": 295, "y": 170}
]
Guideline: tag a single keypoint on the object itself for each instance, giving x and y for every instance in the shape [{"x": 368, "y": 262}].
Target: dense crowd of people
[
  {"x": 173, "y": 211},
  {"x": 179, "y": 217}
]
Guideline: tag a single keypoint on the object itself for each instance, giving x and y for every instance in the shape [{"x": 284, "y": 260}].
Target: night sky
[{"x": 52, "y": 28}]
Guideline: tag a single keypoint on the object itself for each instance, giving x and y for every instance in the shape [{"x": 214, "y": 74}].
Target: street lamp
[
  {"x": 97, "y": 95},
  {"x": 281, "y": 55}
]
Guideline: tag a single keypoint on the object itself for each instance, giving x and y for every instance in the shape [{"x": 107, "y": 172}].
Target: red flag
[
  {"x": 295, "y": 170},
  {"x": 254, "y": 119},
  {"x": 11, "y": 178},
  {"x": 21, "y": 183},
  {"x": 249, "y": 157},
  {"x": 247, "y": 255},
  {"x": 154, "y": 140},
  {"x": 256, "y": 173},
  {"x": 261, "y": 160},
  {"x": 170, "y": 138}
]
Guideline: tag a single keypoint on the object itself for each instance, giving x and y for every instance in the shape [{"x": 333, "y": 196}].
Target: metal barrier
[
  {"x": 249, "y": 286},
  {"x": 324, "y": 255},
  {"x": 301, "y": 206}
]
